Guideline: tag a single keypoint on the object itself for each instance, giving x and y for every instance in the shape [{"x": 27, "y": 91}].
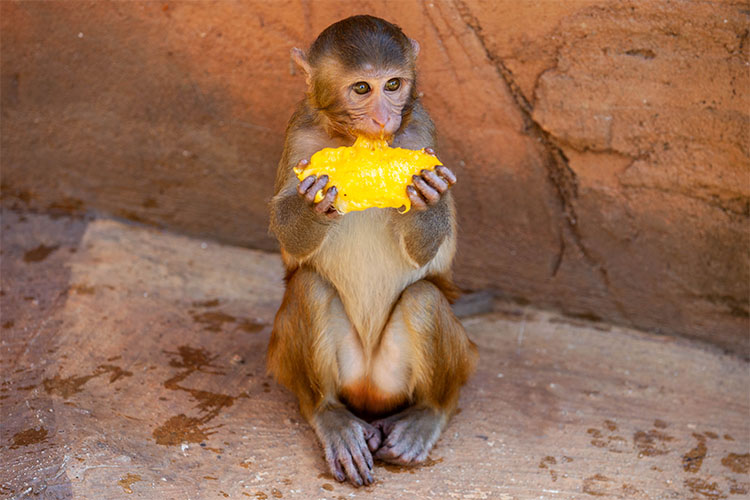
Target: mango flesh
[{"x": 368, "y": 174}]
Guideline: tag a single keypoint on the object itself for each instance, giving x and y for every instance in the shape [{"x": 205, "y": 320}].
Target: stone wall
[{"x": 602, "y": 147}]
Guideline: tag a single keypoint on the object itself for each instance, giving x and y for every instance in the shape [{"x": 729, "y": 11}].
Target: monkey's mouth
[{"x": 373, "y": 131}]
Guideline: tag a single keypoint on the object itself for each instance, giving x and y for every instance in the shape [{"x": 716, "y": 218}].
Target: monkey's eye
[
  {"x": 392, "y": 84},
  {"x": 361, "y": 88}
]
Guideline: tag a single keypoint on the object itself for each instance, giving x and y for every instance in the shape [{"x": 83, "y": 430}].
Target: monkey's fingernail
[{"x": 304, "y": 162}]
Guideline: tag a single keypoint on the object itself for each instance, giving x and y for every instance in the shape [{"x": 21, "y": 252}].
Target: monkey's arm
[
  {"x": 431, "y": 221},
  {"x": 298, "y": 222},
  {"x": 421, "y": 232},
  {"x": 298, "y": 226}
]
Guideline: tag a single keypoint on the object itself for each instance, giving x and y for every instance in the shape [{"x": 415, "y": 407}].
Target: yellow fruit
[{"x": 368, "y": 174}]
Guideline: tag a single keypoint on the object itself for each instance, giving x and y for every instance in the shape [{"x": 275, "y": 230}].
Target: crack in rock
[{"x": 559, "y": 173}]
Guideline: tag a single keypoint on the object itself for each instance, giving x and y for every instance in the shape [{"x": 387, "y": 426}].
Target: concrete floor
[{"x": 132, "y": 366}]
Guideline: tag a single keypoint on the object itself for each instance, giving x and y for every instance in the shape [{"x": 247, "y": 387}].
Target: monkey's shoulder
[{"x": 418, "y": 130}]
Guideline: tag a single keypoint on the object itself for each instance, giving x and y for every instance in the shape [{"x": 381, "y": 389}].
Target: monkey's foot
[
  {"x": 348, "y": 443},
  {"x": 409, "y": 435}
]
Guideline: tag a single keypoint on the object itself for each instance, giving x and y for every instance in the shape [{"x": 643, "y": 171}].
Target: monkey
[{"x": 365, "y": 336}]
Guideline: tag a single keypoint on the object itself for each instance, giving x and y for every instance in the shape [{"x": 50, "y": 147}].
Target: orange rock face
[{"x": 601, "y": 147}]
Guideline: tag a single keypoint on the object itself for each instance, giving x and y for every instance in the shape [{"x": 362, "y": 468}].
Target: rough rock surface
[{"x": 601, "y": 146}]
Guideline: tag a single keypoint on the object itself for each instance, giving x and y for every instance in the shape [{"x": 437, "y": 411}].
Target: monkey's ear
[
  {"x": 299, "y": 58},
  {"x": 414, "y": 47}
]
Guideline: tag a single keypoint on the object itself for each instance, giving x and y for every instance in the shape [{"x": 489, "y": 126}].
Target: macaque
[{"x": 365, "y": 336}]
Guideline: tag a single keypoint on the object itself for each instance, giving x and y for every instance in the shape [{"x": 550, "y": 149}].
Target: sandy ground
[{"x": 132, "y": 365}]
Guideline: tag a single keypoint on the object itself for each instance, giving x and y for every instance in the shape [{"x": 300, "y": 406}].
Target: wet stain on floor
[
  {"x": 737, "y": 463},
  {"x": 596, "y": 485},
  {"x": 82, "y": 289},
  {"x": 28, "y": 437},
  {"x": 181, "y": 428},
  {"x": 39, "y": 253},
  {"x": 693, "y": 459},
  {"x": 214, "y": 321},
  {"x": 66, "y": 387},
  {"x": 704, "y": 488},
  {"x": 610, "y": 441},
  {"x": 127, "y": 482},
  {"x": 651, "y": 443},
  {"x": 546, "y": 462},
  {"x": 411, "y": 469},
  {"x": 206, "y": 303}
]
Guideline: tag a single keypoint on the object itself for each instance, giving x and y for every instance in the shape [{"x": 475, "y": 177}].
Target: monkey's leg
[
  {"x": 443, "y": 357},
  {"x": 310, "y": 331}
]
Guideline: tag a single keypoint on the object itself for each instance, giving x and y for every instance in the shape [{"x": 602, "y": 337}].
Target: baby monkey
[{"x": 365, "y": 336}]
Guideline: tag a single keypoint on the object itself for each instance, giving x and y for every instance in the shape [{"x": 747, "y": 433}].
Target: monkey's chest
[{"x": 363, "y": 260}]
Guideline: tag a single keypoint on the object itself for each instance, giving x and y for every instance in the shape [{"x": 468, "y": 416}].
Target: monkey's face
[
  {"x": 367, "y": 101},
  {"x": 375, "y": 100}
]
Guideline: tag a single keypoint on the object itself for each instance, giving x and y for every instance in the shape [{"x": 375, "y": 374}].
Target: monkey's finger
[
  {"x": 333, "y": 465},
  {"x": 327, "y": 202},
  {"x": 373, "y": 438},
  {"x": 360, "y": 455},
  {"x": 429, "y": 151},
  {"x": 416, "y": 201},
  {"x": 351, "y": 471},
  {"x": 388, "y": 455},
  {"x": 410, "y": 451},
  {"x": 319, "y": 184},
  {"x": 366, "y": 450},
  {"x": 305, "y": 184},
  {"x": 425, "y": 190},
  {"x": 398, "y": 452},
  {"x": 385, "y": 424},
  {"x": 422, "y": 456},
  {"x": 446, "y": 174},
  {"x": 394, "y": 435},
  {"x": 435, "y": 181}
]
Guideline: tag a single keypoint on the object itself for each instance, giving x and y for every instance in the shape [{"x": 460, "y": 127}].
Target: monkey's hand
[
  {"x": 310, "y": 186},
  {"x": 348, "y": 443},
  {"x": 427, "y": 188},
  {"x": 410, "y": 435}
]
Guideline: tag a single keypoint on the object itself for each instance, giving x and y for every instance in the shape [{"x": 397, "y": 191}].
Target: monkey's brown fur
[{"x": 365, "y": 328}]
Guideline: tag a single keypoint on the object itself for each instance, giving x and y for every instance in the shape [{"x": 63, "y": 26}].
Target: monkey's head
[{"x": 361, "y": 76}]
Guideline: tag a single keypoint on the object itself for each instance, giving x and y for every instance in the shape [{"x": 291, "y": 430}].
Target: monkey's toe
[
  {"x": 347, "y": 442},
  {"x": 409, "y": 436}
]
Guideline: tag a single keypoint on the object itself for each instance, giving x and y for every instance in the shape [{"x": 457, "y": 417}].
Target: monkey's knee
[
  {"x": 423, "y": 292},
  {"x": 440, "y": 341},
  {"x": 426, "y": 307},
  {"x": 306, "y": 298},
  {"x": 306, "y": 284}
]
